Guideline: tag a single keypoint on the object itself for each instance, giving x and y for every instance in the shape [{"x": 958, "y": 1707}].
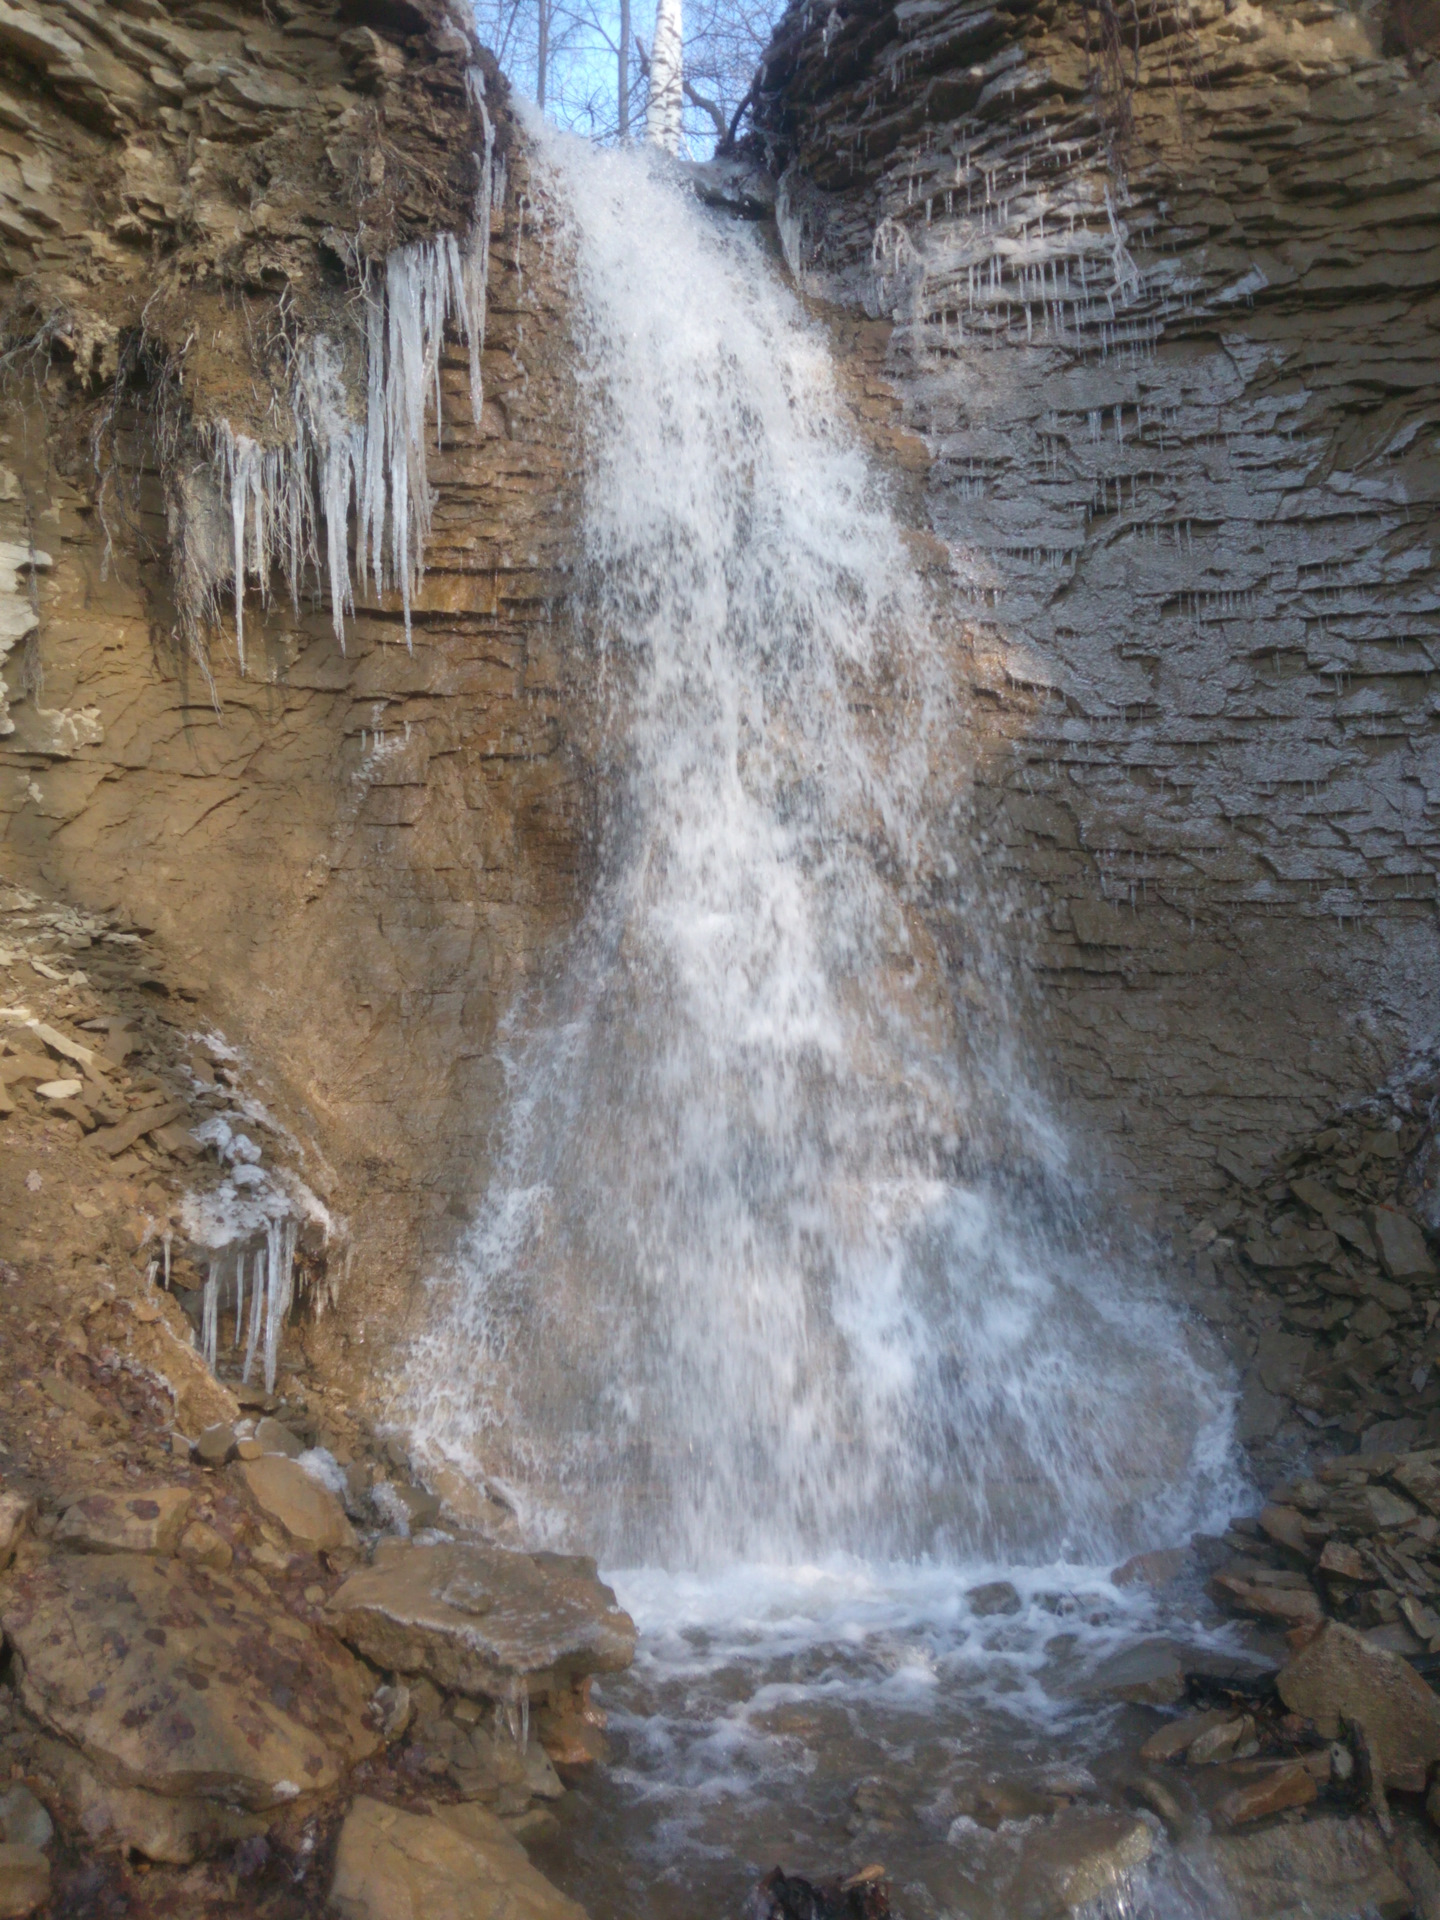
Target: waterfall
[{"x": 781, "y": 1251}]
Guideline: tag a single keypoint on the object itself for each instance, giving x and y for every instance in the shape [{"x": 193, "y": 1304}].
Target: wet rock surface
[
  {"x": 482, "y": 1620},
  {"x": 458, "y": 1864},
  {"x": 184, "y": 1682},
  {"x": 1056, "y": 270}
]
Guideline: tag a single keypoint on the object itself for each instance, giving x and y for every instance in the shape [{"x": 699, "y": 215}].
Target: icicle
[
  {"x": 277, "y": 495},
  {"x": 258, "y": 1290},
  {"x": 239, "y": 1297},
  {"x": 210, "y": 1315},
  {"x": 280, "y": 1260}
]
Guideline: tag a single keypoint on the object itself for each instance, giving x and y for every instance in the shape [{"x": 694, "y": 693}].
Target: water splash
[{"x": 783, "y": 1253}]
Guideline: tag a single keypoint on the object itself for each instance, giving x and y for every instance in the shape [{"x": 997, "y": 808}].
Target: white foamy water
[
  {"x": 783, "y": 1256},
  {"x": 826, "y": 1714}
]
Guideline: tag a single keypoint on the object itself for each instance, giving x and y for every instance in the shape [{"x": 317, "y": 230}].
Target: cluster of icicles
[
  {"x": 278, "y": 496},
  {"x": 272, "y": 1292}
]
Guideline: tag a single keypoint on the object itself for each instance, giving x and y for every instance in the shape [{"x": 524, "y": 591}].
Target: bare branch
[{"x": 707, "y": 106}]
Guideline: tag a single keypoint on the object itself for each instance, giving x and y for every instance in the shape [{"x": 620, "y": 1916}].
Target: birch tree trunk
[
  {"x": 667, "y": 73},
  {"x": 624, "y": 74}
]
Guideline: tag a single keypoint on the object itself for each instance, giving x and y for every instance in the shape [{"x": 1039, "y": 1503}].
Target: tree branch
[{"x": 706, "y": 106}]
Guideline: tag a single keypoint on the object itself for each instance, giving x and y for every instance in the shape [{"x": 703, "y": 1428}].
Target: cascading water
[{"x": 781, "y": 1255}]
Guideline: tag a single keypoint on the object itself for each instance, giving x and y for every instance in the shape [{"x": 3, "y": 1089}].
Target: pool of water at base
[{"x": 824, "y": 1717}]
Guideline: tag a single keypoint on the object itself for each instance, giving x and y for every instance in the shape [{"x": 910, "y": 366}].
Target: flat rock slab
[
  {"x": 309, "y": 1513},
  {"x": 1149, "y": 1674},
  {"x": 483, "y": 1620},
  {"x": 181, "y": 1681},
  {"x": 24, "y": 1881},
  {"x": 1325, "y": 1868},
  {"x": 1343, "y": 1677},
  {"x": 149, "y": 1520},
  {"x": 1080, "y": 1860},
  {"x": 458, "y": 1863}
]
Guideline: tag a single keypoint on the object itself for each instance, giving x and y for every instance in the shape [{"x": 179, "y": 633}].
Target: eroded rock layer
[
  {"x": 1162, "y": 308},
  {"x": 353, "y": 852}
]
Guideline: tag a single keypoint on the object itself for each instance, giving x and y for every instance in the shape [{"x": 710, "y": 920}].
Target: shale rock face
[
  {"x": 353, "y": 855},
  {"x": 1162, "y": 332}
]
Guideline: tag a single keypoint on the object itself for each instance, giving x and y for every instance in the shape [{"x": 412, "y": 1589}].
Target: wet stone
[
  {"x": 1275, "y": 1791},
  {"x": 458, "y": 1863},
  {"x": 180, "y": 1681},
  {"x": 480, "y": 1620},
  {"x": 1148, "y": 1675},
  {"x": 998, "y": 1596},
  {"x": 1322, "y": 1868},
  {"x": 1078, "y": 1860},
  {"x": 215, "y": 1445}
]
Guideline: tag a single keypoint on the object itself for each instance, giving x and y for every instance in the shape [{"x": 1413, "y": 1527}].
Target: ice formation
[
  {"x": 254, "y": 1218},
  {"x": 350, "y": 450}
]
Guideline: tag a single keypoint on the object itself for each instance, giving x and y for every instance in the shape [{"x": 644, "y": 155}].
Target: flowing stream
[{"x": 784, "y": 1297}]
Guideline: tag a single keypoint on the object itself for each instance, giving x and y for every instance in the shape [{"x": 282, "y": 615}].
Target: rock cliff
[
  {"x": 1155, "y": 291},
  {"x": 225, "y": 223}
]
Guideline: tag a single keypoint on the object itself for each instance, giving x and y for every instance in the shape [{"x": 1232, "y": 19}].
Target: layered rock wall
[
  {"x": 353, "y": 854},
  {"x": 1157, "y": 290}
]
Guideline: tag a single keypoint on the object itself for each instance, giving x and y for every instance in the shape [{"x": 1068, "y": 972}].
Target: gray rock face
[
  {"x": 181, "y": 1682},
  {"x": 1171, "y": 443},
  {"x": 481, "y": 1620}
]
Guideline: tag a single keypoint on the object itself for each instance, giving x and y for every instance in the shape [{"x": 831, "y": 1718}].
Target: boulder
[
  {"x": 24, "y": 1881},
  {"x": 170, "y": 1830},
  {"x": 997, "y": 1597},
  {"x": 1420, "y": 1477},
  {"x": 309, "y": 1513},
  {"x": 1286, "y": 1598},
  {"x": 1275, "y": 1790},
  {"x": 1175, "y": 1739},
  {"x": 1078, "y": 1859},
  {"x": 150, "y": 1520},
  {"x": 458, "y": 1863},
  {"x": 1403, "y": 1252},
  {"x": 273, "y": 1437},
  {"x": 1157, "y": 1568},
  {"x": 183, "y": 1682},
  {"x": 1149, "y": 1675},
  {"x": 16, "y": 1512},
  {"x": 483, "y": 1620},
  {"x": 23, "y": 1821},
  {"x": 202, "y": 1546},
  {"x": 1342, "y": 1677},
  {"x": 1326, "y": 1868}
]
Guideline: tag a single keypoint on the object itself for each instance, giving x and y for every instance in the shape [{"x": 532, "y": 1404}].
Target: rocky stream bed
[{"x": 254, "y": 1665}]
